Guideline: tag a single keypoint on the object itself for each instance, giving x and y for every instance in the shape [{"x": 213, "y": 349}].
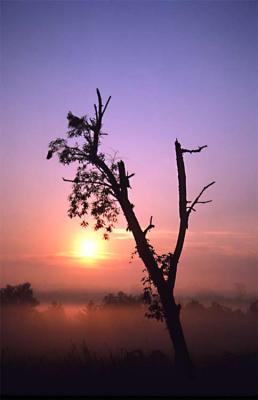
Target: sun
[{"x": 88, "y": 248}]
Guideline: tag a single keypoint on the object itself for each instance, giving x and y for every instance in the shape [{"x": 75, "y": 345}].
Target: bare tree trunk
[
  {"x": 183, "y": 362},
  {"x": 165, "y": 288}
]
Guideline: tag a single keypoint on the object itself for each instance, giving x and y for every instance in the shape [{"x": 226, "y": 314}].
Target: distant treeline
[
  {"x": 18, "y": 295},
  {"x": 23, "y": 295}
]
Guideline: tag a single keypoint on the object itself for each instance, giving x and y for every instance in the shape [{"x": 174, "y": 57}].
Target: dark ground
[
  {"x": 223, "y": 344},
  {"x": 131, "y": 374}
]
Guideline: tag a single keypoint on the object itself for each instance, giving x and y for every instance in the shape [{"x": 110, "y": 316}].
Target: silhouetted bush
[
  {"x": 19, "y": 295},
  {"x": 121, "y": 299},
  {"x": 194, "y": 305}
]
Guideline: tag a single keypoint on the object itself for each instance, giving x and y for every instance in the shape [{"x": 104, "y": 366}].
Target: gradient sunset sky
[{"x": 174, "y": 69}]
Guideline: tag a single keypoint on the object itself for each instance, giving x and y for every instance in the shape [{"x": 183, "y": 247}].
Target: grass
[
  {"x": 116, "y": 351},
  {"x": 80, "y": 372}
]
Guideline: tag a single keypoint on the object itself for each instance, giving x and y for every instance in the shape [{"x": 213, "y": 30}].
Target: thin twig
[
  {"x": 105, "y": 107},
  {"x": 95, "y": 182},
  {"x": 196, "y": 201},
  {"x": 149, "y": 227},
  {"x": 194, "y": 150}
]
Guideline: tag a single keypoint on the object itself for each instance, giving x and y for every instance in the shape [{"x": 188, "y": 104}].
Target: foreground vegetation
[
  {"x": 79, "y": 372},
  {"x": 110, "y": 348}
]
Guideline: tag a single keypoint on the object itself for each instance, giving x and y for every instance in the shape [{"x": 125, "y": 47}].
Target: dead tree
[{"x": 101, "y": 188}]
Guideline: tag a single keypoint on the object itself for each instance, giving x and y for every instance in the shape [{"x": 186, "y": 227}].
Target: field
[{"x": 105, "y": 350}]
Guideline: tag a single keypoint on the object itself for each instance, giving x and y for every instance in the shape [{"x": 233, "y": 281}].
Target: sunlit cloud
[
  {"x": 122, "y": 234},
  {"x": 73, "y": 254}
]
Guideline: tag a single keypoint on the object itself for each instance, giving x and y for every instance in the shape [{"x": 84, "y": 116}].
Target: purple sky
[{"x": 185, "y": 69}]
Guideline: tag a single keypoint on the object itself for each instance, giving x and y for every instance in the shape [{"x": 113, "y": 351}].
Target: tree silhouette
[
  {"x": 100, "y": 186},
  {"x": 19, "y": 295},
  {"x": 121, "y": 299}
]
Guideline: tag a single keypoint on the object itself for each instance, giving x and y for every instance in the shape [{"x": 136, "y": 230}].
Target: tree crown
[{"x": 96, "y": 185}]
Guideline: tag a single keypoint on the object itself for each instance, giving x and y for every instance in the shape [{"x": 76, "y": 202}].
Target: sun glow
[{"x": 88, "y": 248}]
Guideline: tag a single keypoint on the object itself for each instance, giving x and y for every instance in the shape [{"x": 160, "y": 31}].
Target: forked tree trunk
[
  {"x": 183, "y": 363},
  {"x": 165, "y": 287}
]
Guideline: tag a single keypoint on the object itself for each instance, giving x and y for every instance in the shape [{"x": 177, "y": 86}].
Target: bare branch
[
  {"x": 93, "y": 182},
  {"x": 100, "y": 102},
  {"x": 204, "y": 202},
  {"x": 105, "y": 107},
  {"x": 69, "y": 180},
  {"x": 96, "y": 112},
  {"x": 185, "y": 208},
  {"x": 196, "y": 201},
  {"x": 149, "y": 227},
  {"x": 194, "y": 150}
]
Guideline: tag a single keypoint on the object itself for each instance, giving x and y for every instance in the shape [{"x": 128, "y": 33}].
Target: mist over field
[
  {"x": 237, "y": 297},
  {"x": 54, "y": 327},
  {"x": 86, "y": 337}
]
